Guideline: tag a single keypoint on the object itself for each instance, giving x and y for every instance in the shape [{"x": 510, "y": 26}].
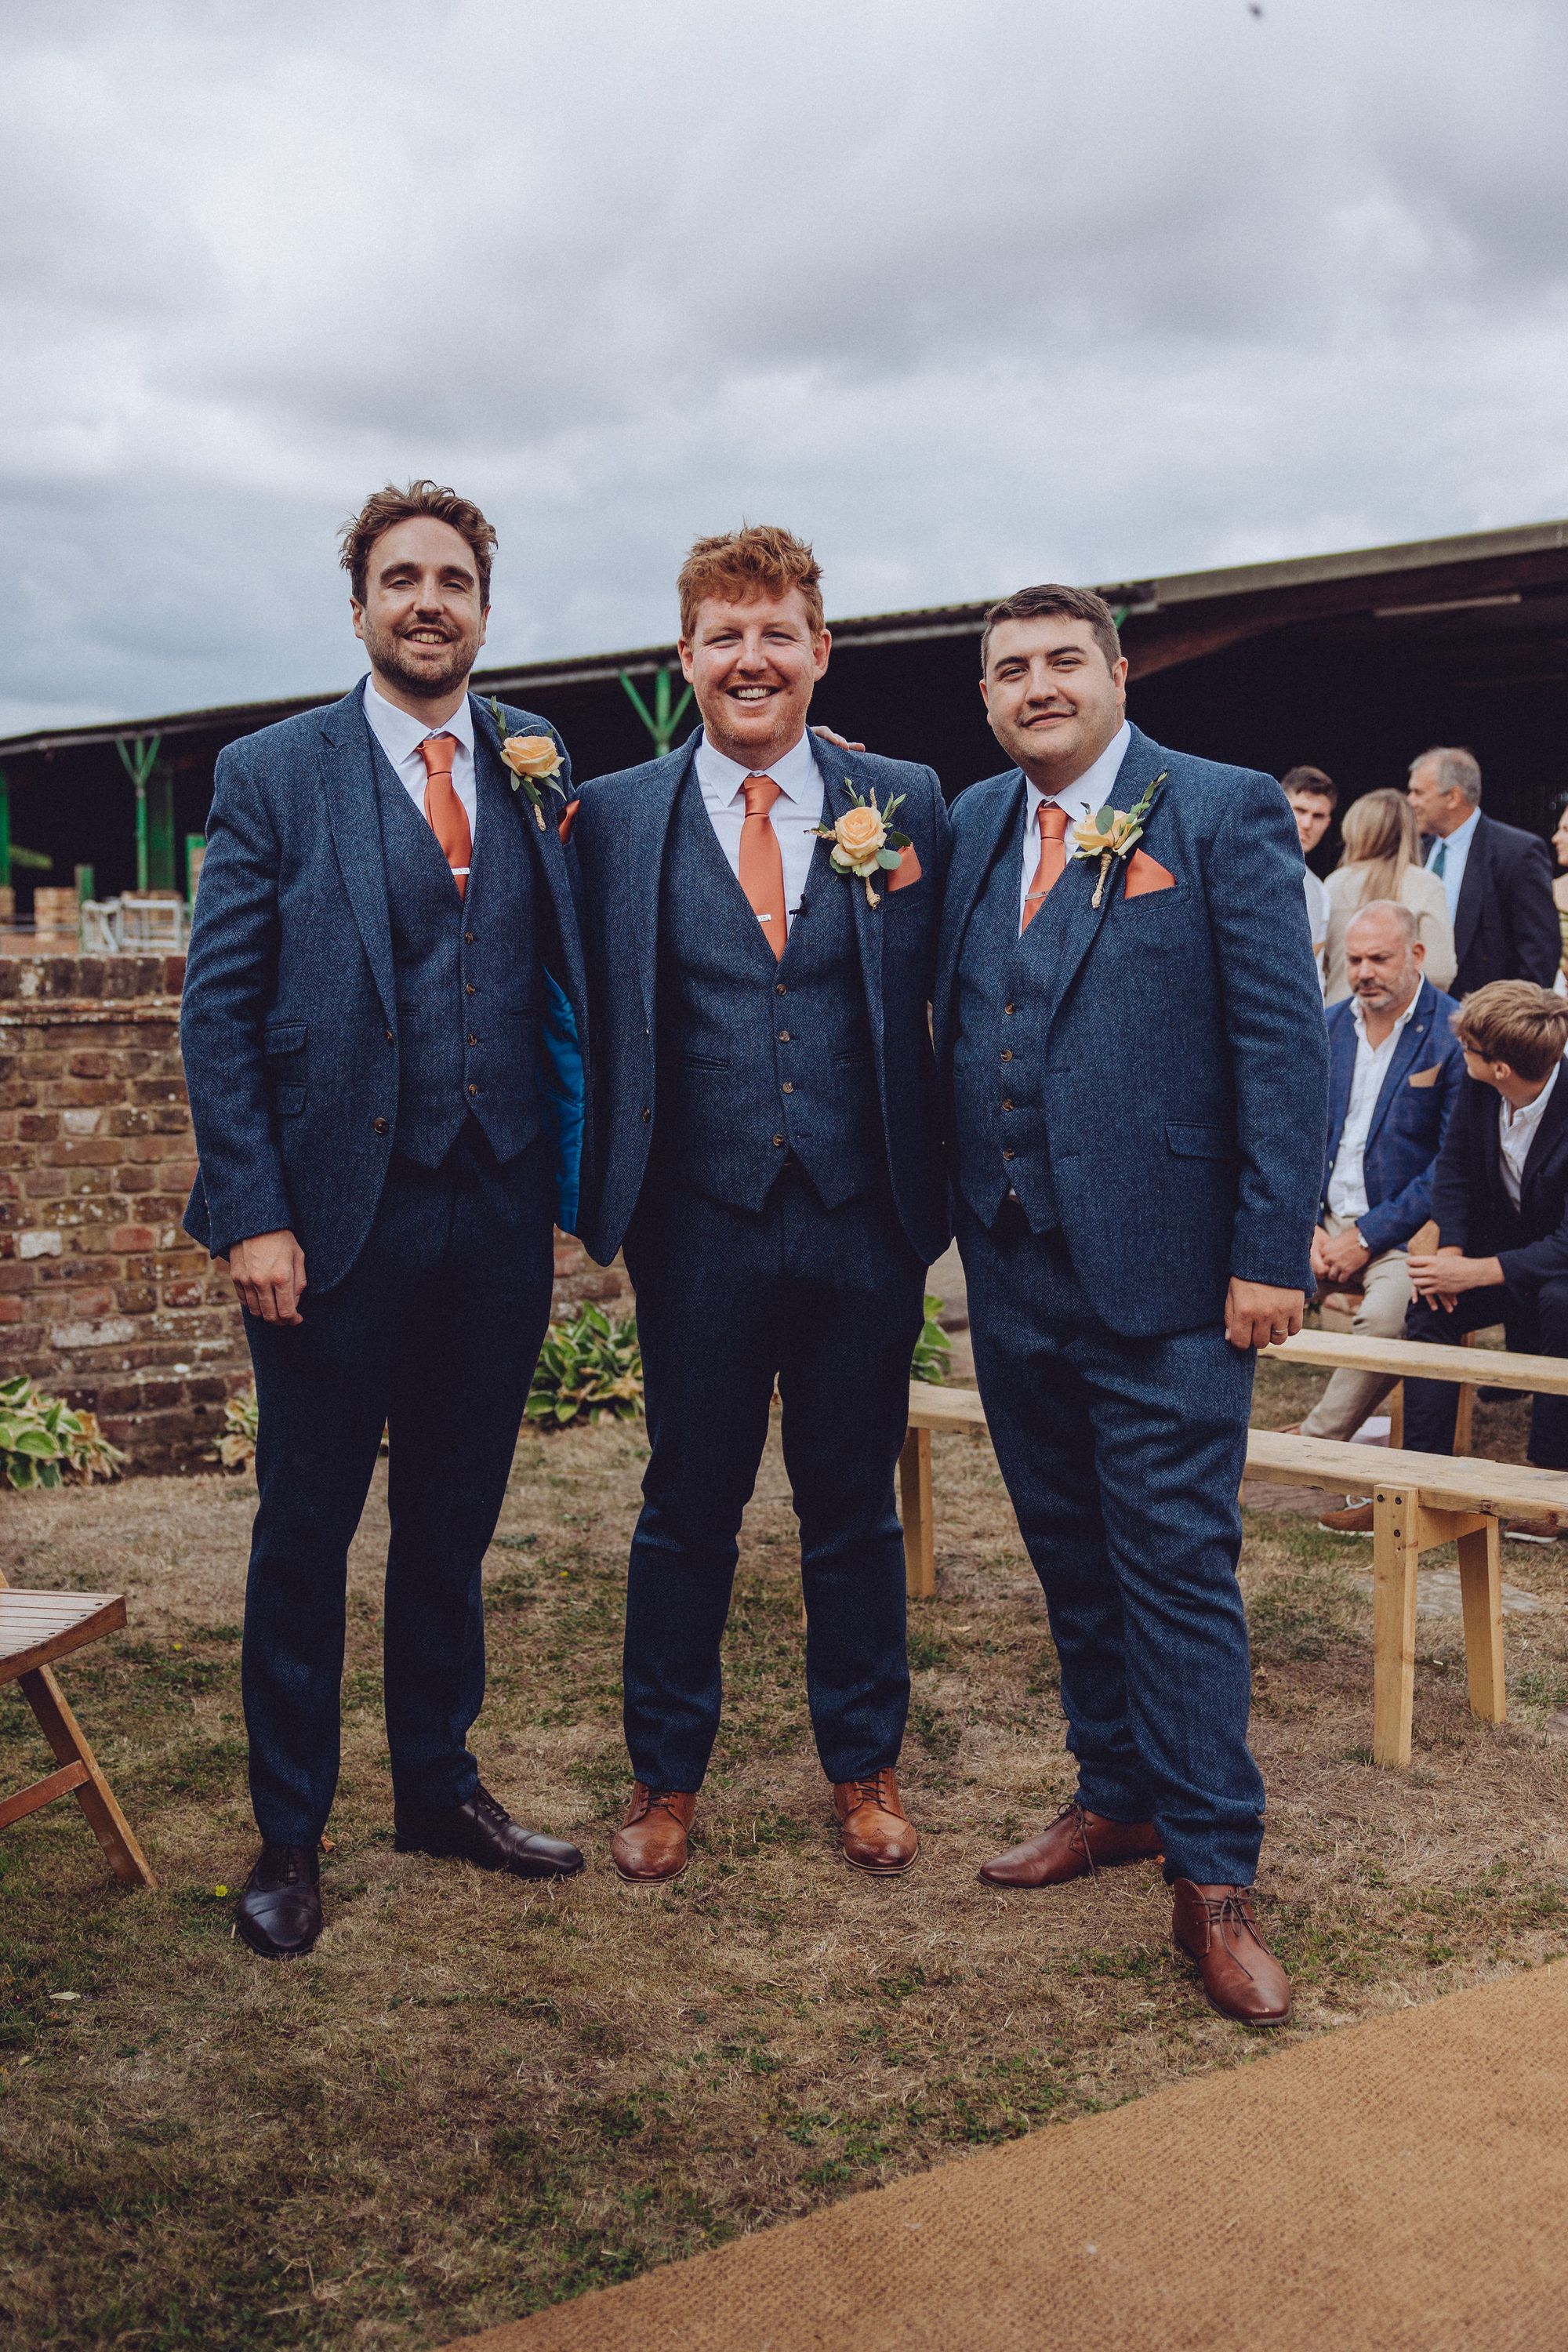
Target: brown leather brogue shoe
[
  {"x": 279, "y": 1912},
  {"x": 1214, "y": 1925},
  {"x": 1355, "y": 1519},
  {"x": 481, "y": 1830},
  {"x": 651, "y": 1845},
  {"x": 1075, "y": 1845},
  {"x": 875, "y": 1833}
]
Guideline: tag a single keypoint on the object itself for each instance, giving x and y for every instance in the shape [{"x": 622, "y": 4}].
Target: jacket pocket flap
[
  {"x": 284, "y": 1036},
  {"x": 1427, "y": 1077},
  {"x": 1199, "y": 1142}
]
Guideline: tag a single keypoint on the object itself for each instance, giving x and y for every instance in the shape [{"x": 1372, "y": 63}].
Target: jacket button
[
  {"x": 1009, "y": 1008},
  {"x": 469, "y": 986},
  {"x": 378, "y": 1127},
  {"x": 468, "y": 938},
  {"x": 472, "y": 1039},
  {"x": 778, "y": 1143},
  {"x": 1006, "y": 1053},
  {"x": 645, "y": 1112},
  {"x": 784, "y": 1037},
  {"x": 390, "y": 1038},
  {"x": 779, "y": 988},
  {"x": 1006, "y": 1102},
  {"x": 1007, "y": 1154},
  {"x": 473, "y": 1089},
  {"x": 789, "y": 1085}
]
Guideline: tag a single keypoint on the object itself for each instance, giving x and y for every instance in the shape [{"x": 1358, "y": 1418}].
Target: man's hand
[
  {"x": 1344, "y": 1256},
  {"x": 1440, "y": 1278},
  {"x": 843, "y": 742},
  {"x": 268, "y": 1272},
  {"x": 1257, "y": 1314}
]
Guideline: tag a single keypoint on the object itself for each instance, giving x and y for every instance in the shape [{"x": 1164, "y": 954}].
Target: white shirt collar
[
  {"x": 402, "y": 734},
  {"x": 1530, "y": 1112},
  {"x": 1358, "y": 1016},
  {"x": 1090, "y": 791},
  {"x": 796, "y": 774}
]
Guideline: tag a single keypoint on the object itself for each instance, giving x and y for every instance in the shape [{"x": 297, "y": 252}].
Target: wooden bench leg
[
  {"x": 1480, "y": 1592},
  {"x": 1396, "y": 1415},
  {"x": 915, "y": 1502},
  {"x": 1395, "y": 1549},
  {"x": 93, "y": 1793}
]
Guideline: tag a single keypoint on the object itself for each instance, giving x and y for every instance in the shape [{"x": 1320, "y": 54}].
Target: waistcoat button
[
  {"x": 1008, "y": 1153},
  {"x": 1006, "y": 1102},
  {"x": 471, "y": 988},
  {"x": 784, "y": 1037},
  {"x": 779, "y": 988},
  {"x": 778, "y": 1143},
  {"x": 1009, "y": 1008},
  {"x": 390, "y": 1038},
  {"x": 378, "y": 1127},
  {"x": 645, "y": 1112},
  {"x": 473, "y": 1091},
  {"x": 789, "y": 1085},
  {"x": 468, "y": 941},
  {"x": 1006, "y": 1053}
]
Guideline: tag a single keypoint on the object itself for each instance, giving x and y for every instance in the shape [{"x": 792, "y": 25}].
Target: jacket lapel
[
  {"x": 545, "y": 843},
  {"x": 1547, "y": 1139},
  {"x": 648, "y": 833},
  {"x": 1071, "y": 919},
  {"x": 1472, "y": 891},
  {"x": 841, "y": 782},
  {"x": 348, "y": 774},
  {"x": 1412, "y": 1044},
  {"x": 976, "y": 849}
]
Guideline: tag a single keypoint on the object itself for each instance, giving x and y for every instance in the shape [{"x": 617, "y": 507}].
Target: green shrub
[
  {"x": 44, "y": 1442},
  {"x": 933, "y": 1349},
  {"x": 587, "y": 1368},
  {"x": 237, "y": 1446}
]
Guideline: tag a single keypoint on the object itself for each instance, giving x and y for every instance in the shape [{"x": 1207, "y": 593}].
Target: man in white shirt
[
  {"x": 1394, "y": 1072},
  {"x": 1313, "y": 800},
  {"x": 1500, "y": 1199}
]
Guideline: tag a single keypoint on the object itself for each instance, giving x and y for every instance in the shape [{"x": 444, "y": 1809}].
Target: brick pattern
[{"x": 102, "y": 1297}]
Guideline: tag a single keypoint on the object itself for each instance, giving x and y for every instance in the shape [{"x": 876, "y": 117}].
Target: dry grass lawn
[{"x": 478, "y": 2097}]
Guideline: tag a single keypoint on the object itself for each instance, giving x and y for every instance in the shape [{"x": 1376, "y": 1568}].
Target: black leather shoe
[
  {"x": 279, "y": 1912},
  {"x": 483, "y": 1832}
]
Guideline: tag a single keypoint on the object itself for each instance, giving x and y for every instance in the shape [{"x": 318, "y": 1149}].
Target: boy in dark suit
[{"x": 1500, "y": 1200}]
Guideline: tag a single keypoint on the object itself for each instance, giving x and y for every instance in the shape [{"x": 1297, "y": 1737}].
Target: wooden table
[{"x": 36, "y": 1628}]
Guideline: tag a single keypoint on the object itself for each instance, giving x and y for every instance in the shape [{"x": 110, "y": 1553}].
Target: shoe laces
[
  {"x": 489, "y": 1808},
  {"x": 1228, "y": 1914},
  {"x": 875, "y": 1790}
]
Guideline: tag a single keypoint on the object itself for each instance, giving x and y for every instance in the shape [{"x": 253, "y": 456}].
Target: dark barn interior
[{"x": 1354, "y": 663}]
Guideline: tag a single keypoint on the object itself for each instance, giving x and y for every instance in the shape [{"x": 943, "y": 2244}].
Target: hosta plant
[
  {"x": 587, "y": 1368},
  {"x": 237, "y": 1446},
  {"x": 43, "y": 1442},
  {"x": 933, "y": 1349}
]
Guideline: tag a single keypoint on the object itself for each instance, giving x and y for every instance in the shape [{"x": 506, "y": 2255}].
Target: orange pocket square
[
  {"x": 1146, "y": 874},
  {"x": 568, "y": 819},
  {"x": 906, "y": 871}
]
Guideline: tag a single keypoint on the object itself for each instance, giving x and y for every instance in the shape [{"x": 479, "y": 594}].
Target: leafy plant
[
  {"x": 44, "y": 1442},
  {"x": 587, "y": 1368},
  {"x": 237, "y": 1446},
  {"x": 933, "y": 1349}
]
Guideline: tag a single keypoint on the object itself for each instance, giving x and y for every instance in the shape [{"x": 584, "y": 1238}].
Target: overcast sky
[{"x": 968, "y": 295}]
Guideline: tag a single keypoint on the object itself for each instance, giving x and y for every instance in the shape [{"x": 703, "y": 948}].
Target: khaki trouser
[{"x": 1380, "y": 1313}]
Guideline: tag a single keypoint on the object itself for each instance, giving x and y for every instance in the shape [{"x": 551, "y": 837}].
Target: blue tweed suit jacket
[
  {"x": 292, "y": 931},
  {"x": 1186, "y": 1063},
  {"x": 619, "y": 838},
  {"x": 1409, "y": 1120}
]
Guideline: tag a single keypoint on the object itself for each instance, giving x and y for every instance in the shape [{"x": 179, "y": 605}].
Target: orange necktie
[
  {"x": 1053, "y": 860},
  {"x": 449, "y": 818},
  {"x": 762, "y": 860}
]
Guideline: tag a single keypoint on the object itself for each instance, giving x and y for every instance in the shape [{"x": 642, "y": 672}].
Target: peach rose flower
[
  {"x": 859, "y": 834},
  {"x": 536, "y": 756}
]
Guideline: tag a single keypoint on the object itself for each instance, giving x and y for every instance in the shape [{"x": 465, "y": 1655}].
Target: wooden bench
[
  {"x": 1419, "y": 1501},
  {"x": 1422, "y": 1359},
  {"x": 35, "y": 1628}
]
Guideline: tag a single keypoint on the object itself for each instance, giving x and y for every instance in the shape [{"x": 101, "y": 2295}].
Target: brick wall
[{"x": 103, "y": 1298}]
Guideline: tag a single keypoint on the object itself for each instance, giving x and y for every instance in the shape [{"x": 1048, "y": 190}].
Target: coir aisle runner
[{"x": 1401, "y": 2185}]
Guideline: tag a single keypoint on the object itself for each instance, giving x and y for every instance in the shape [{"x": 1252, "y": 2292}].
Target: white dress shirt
[
  {"x": 798, "y": 810},
  {"x": 1084, "y": 798},
  {"x": 1458, "y": 846},
  {"x": 400, "y": 738},
  {"x": 1347, "y": 1185},
  {"x": 1516, "y": 1133}
]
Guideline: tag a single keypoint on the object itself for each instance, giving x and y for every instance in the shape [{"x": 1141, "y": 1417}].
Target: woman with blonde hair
[{"x": 1381, "y": 859}]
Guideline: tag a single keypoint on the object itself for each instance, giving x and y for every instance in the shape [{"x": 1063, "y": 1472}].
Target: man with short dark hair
[
  {"x": 1130, "y": 1039},
  {"x": 1500, "y": 1195},
  {"x": 1498, "y": 878},
  {"x": 1314, "y": 799},
  {"x": 382, "y": 1026}
]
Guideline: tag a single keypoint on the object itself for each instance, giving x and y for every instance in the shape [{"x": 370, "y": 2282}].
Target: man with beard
[{"x": 383, "y": 1010}]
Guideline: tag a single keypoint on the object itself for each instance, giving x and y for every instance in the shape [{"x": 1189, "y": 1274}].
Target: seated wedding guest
[
  {"x": 1496, "y": 879},
  {"x": 1382, "y": 860},
  {"x": 1394, "y": 1072},
  {"x": 1313, "y": 800},
  {"x": 1560, "y": 886},
  {"x": 1500, "y": 1195}
]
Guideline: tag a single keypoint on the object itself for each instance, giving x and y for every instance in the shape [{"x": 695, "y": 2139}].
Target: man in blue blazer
[
  {"x": 383, "y": 1017},
  {"x": 1129, "y": 1040},
  {"x": 769, "y": 1153},
  {"x": 1394, "y": 1072}
]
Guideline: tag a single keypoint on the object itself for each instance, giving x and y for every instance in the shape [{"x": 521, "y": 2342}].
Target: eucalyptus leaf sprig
[{"x": 1114, "y": 833}]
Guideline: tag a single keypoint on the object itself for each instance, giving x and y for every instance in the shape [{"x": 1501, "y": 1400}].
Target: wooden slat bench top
[
  {"x": 1419, "y": 1359},
  {"x": 38, "y": 1627}
]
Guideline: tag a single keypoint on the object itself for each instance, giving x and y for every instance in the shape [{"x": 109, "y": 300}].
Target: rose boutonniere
[
  {"x": 534, "y": 759},
  {"x": 1112, "y": 833},
  {"x": 862, "y": 842}
]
